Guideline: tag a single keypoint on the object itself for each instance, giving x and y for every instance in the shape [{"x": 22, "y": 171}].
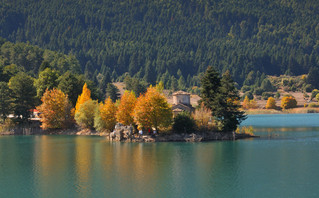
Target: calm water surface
[{"x": 284, "y": 162}]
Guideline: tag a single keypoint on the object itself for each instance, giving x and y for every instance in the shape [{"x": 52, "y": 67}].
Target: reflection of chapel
[{"x": 181, "y": 102}]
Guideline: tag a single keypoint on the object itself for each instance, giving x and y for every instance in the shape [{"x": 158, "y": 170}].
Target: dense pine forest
[{"x": 171, "y": 41}]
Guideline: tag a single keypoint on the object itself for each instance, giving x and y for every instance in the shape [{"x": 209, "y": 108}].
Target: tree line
[{"x": 220, "y": 104}]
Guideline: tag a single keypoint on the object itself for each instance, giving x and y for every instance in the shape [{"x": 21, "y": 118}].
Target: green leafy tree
[
  {"x": 48, "y": 79},
  {"x": 5, "y": 100},
  {"x": 23, "y": 94},
  {"x": 70, "y": 85},
  {"x": 84, "y": 117}
]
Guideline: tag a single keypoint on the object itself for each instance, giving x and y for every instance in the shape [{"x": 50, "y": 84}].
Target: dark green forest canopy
[{"x": 107, "y": 36}]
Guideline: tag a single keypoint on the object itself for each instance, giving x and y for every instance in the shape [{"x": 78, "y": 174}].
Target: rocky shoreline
[{"x": 125, "y": 134}]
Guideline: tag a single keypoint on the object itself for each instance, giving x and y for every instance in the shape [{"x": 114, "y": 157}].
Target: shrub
[
  {"x": 202, "y": 116},
  {"x": 245, "y": 88},
  {"x": 285, "y": 82},
  {"x": 271, "y": 103},
  {"x": 184, "y": 123},
  {"x": 293, "y": 88},
  {"x": 266, "y": 95},
  {"x": 249, "y": 104},
  {"x": 7, "y": 125},
  {"x": 314, "y": 93},
  {"x": 288, "y": 102},
  {"x": 312, "y": 105},
  {"x": 253, "y": 104},
  {"x": 277, "y": 96},
  {"x": 249, "y": 94},
  {"x": 258, "y": 91},
  {"x": 245, "y": 130},
  {"x": 307, "y": 88},
  {"x": 267, "y": 85},
  {"x": 245, "y": 103}
]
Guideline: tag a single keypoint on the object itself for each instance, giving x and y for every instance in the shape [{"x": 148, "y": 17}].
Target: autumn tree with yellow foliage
[
  {"x": 55, "y": 110},
  {"x": 124, "y": 113},
  {"x": 271, "y": 103},
  {"x": 249, "y": 104},
  {"x": 288, "y": 102},
  {"x": 85, "y": 96},
  {"x": 105, "y": 116},
  {"x": 152, "y": 110},
  {"x": 246, "y": 103}
]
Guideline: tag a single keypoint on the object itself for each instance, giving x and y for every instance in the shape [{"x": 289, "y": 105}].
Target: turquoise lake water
[{"x": 283, "y": 162}]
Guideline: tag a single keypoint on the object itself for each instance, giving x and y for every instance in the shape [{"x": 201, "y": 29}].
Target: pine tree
[
  {"x": 112, "y": 92},
  {"x": 210, "y": 89},
  {"x": 230, "y": 115},
  {"x": 221, "y": 97}
]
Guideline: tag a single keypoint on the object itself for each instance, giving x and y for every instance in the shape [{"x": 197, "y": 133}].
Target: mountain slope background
[{"x": 172, "y": 41}]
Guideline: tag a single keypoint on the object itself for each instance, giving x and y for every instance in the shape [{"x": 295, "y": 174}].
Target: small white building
[
  {"x": 181, "y": 97},
  {"x": 181, "y": 102}
]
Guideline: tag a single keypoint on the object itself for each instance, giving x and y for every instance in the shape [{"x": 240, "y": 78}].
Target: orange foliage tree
[
  {"x": 125, "y": 109},
  {"x": 271, "y": 103},
  {"x": 152, "y": 110},
  {"x": 105, "y": 117},
  {"x": 55, "y": 110},
  {"x": 85, "y": 96},
  {"x": 245, "y": 104},
  {"x": 253, "y": 104},
  {"x": 249, "y": 104},
  {"x": 288, "y": 102},
  {"x": 202, "y": 116}
]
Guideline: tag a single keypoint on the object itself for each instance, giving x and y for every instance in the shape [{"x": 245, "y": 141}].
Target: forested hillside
[{"x": 172, "y": 41}]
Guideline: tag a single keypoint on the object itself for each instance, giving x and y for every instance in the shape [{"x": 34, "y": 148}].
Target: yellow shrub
[{"x": 288, "y": 102}]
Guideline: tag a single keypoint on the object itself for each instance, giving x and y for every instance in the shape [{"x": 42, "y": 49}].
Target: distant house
[{"x": 181, "y": 102}]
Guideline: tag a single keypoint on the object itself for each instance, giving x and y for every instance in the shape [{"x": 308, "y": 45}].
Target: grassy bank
[{"x": 298, "y": 110}]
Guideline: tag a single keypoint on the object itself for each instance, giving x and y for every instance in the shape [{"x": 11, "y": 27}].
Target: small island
[{"x": 148, "y": 117}]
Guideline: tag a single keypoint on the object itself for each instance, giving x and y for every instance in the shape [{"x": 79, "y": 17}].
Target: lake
[{"x": 283, "y": 162}]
